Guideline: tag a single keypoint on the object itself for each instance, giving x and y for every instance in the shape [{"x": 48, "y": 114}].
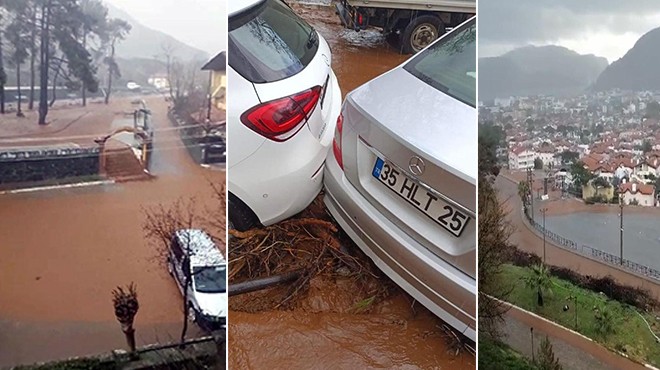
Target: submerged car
[
  {"x": 402, "y": 176},
  {"x": 195, "y": 260},
  {"x": 285, "y": 100}
]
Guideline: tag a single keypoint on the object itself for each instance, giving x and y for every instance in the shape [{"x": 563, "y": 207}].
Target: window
[
  {"x": 450, "y": 65},
  {"x": 270, "y": 42}
]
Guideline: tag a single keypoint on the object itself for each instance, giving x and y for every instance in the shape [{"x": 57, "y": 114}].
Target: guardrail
[{"x": 592, "y": 252}]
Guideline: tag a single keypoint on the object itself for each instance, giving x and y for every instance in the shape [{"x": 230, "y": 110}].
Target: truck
[{"x": 409, "y": 25}]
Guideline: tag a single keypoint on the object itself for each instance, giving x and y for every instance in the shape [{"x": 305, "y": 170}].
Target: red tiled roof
[{"x": 641, "y": 188}]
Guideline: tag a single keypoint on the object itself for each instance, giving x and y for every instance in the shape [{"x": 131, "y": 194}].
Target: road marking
[{"x": 55, "y": 187}]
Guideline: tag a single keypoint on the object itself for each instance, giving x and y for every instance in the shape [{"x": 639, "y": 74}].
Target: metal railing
[{"x": 594, "y": 253}]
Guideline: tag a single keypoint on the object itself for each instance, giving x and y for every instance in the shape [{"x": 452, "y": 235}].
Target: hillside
[
  {"x": 146, "y": 43},
  {"x": 532, "y": 70},
  {"x": 638, "y": 69}
]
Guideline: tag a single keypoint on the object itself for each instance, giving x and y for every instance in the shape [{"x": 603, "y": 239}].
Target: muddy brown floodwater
[
  {"x": 324, "y": 329},
  {"x": 63, "y": 251}
]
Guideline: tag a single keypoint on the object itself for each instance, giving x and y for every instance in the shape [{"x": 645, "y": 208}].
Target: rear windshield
[
  {"x": 269, "y": 42},
  {"x": 450, "y": 65}
]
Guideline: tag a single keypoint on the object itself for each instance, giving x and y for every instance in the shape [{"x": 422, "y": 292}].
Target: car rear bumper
[{"x": 440, "y": 287}]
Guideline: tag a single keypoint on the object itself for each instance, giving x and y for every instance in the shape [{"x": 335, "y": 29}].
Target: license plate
[{"x": 444, "y": 214}]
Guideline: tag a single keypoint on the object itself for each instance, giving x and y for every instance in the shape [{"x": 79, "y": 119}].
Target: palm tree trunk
[{"x": 539, "y": 298}]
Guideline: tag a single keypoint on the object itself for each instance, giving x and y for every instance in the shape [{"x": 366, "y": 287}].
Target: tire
[
  {"x": 240, "y": 215},
  {"x": 192, "y": 314},
  {"x": 170, "y": 266},
  {"x": 394, "y": 40},
  {"x": 420, "y": 32}
]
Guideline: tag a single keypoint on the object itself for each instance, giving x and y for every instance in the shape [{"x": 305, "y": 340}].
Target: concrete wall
[{"x": 47, "y": 164}]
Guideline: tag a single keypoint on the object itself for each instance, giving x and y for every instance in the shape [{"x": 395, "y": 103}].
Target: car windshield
[
  {"x": 450, "y": 64},
  {"x": 270, "y": 43},
  {"x": 210, "y": 279}
]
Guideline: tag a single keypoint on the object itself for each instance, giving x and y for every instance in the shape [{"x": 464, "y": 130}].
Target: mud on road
[
  {"x": 343, "y": 312},
  {"x": 63, "y": 251}
]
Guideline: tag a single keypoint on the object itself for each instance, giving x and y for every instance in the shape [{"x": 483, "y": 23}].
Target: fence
[
  {"x": 45, "y": 164},
  {"x": 594, "y": 253}
]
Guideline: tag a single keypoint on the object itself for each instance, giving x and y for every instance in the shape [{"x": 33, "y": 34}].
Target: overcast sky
[
  {"x": 198, "y": 23},
  {"x": 607, "y": 28}
]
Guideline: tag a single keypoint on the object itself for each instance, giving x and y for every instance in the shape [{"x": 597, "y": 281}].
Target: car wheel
[
  {"x": 241, "y": 216},
  {"x": 170, "y": 266},
  {"x": 420, "y": 32},
  {"x": 192, "y": 314}
]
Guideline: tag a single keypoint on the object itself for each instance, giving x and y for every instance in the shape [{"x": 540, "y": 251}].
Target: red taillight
[
  {"x": 359, "y": 19},
  {"x": 280, "y": 119},
  {"x": 336, "y": 143}
]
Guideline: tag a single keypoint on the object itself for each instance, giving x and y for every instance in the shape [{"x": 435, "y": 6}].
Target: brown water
[
  {"x": 63, "y": 251},
  {"x": 357, "y": 57},
  {"x": 325, "y": 330}
]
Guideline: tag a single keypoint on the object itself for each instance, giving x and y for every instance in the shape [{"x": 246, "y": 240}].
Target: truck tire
[
  {"x": 420, "y": 32},
  {"x": 394, "y": 40}
]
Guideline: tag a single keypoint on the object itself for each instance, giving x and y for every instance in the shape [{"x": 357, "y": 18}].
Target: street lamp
[
  {"x": 543, "y": 211},
  {"x": 531, "y": 330}
]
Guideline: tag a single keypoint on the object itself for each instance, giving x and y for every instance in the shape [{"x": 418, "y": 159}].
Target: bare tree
[
  {"x": 494, "y": 251},
  {"x": 169, "y": 59},
  {"x": 160, "y": 225},
  {"x": 117, "y": 31}
]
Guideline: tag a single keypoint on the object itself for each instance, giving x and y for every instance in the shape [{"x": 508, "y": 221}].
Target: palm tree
[
  {"x": 546, "y": 356},
  {"x": 604, "y": 323},
  {"x": 523, "y": 192},
  {"x": 126, "y": 307},
  {"x": 539, "y": 280}
]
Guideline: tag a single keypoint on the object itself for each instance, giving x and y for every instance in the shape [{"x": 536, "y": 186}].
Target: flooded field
[
  {"x": 63, "y": 251},
  {"x": 641, "y": 237},
  {"x": 343, "y": 317}
]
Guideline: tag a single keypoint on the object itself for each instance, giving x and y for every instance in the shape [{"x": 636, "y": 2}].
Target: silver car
[{"x": 402, "y": 178}]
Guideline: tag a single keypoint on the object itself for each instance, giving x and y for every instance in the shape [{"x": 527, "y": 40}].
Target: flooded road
[
  {"x": 337, "y": 323},
  {"x": 357, "y": 57},
  {"x": 63, "y": 251},
  {"x": 641, "y": 237}
]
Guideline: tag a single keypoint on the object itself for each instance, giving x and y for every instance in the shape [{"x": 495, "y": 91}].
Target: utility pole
[
  {"x": 530, "y": 184},
  {"x": 621, "y": 229},
  {"x": 543, "y": 211}
]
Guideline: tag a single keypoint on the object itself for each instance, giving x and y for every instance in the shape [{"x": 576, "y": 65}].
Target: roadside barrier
[{"x": 592, "y": 252}]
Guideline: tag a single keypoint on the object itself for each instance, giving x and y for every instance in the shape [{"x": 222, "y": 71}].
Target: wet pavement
[
  {"x": 641, "y": 236},
  {"x": 323, "y": 329},
  {"x": 63, "y": 251},
  {"x": 525, "y": 239}
]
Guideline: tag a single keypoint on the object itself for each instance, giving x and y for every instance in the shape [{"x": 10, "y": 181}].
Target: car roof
[
  {"x": 203, "y": 251},
  {"x": 235, "y": 6}
]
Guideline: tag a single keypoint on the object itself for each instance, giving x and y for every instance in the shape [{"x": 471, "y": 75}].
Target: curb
[{"x": 57, "y": 187}]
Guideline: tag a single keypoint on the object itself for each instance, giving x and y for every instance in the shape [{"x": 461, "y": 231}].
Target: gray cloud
[{"x": 545, "y": 21}]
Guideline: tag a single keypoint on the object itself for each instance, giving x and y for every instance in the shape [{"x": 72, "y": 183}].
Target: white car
[
  {"x": 403, "y": 175},
  {"x": 285, "y": 101},
  {"x": 195, "y": 259}
]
